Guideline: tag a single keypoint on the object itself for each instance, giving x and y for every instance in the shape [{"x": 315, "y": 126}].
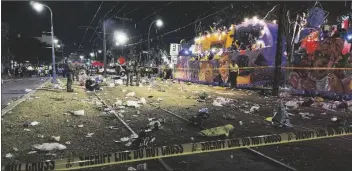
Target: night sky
[{"x": 68, "y": 16}]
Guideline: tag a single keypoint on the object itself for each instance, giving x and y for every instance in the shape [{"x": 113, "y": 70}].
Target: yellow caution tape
[{"x": 98, "y": 160}]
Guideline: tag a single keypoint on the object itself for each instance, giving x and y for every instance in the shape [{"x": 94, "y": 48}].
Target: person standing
[
  {"x": 234, "y": 71},
  {"x": 128, "y": 74},
  {"x": 69, "y": 73},
  {"x": 138, "y": 75}
]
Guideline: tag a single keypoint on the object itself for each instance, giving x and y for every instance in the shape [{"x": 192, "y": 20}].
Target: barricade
[{"x": 89, "y": 161}]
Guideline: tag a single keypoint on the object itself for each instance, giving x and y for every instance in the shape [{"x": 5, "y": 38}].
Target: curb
[{"x": 20, "y": 100}]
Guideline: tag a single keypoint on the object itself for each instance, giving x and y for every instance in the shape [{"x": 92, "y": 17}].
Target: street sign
[{"x": 174, "y": 49}]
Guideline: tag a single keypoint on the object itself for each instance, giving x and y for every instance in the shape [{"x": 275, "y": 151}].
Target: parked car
[{"x": 115, "y": 70}]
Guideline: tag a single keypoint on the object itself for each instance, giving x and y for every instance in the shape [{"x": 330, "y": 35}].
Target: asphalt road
[{"x": 15, "y": 88}]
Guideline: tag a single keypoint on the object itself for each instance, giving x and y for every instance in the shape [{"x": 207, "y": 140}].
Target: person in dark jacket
[{"x": 70, "y": 72}]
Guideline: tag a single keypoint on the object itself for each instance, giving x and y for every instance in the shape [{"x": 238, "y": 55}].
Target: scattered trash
[
  {"x": 118, "y": 103},
  {"x": 89, "y": 135},
  {"x": 159, "y": 99},
  {"x": 240, "y": 122},
  {"x": 305, "y": 115},
  {"x": 28, "y": 90},
  {"x": 323, "y": 113},
  {"x": 80, "y": 126},
  {"x": 222, "y": 130},
  {"x": 34, "y": 123},
  {"x": 131, "y": 103},
  {"x": 49, "y": 146},
  {"x": 252, "y": 122},
  {"x": 124, "y": 139},
  {"x": 284, "y": 94},
  {"x": 111, "y": 85},
  {"x": 130, "y": 94},
  {"x": 269, "y": 119},
  {"x": 280, "y": 115},
  {"x": 192, "y": 139},
  {"x": 32, "y": 152},
  {"x": 55, "y": 138},
  {"x": 231, "y": 156},
  {"x": 15, "y": 149},
  {"x": 333, "y": 119},
  {"x": 152, "y": 140},
  {"x": 254, "y": 109},
  {"x": 107, "y": 109},
  {"x": 26, "y": 129},
  {"x": 112, "y": 127},
  {"x": 150, "y": 119},
  {"x": 292, "y": 104},
  {"x": 79, "y": 113},
  {"x": 68, "y": 142},
  {"x": 9, "y": 155},
  {"x": 220, "y": 101},
  {"x": 142, "y": 167},
  {"x": 142, "y": 100},
  {"x": 131, "y": 169}
]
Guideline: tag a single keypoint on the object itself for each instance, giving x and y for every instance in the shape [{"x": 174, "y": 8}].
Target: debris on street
[
  {"x": 55, "y": 138},
  {"x": 9, "y": 155},
  {"x": 218, "y": 131},
  {"x": 130, "y": 94},
  {"x": 49, "y": 146},
  {"x": 78, "y": 113},
  {"x": 89, "y": 135},
  {"x": 281, "y": 117}
]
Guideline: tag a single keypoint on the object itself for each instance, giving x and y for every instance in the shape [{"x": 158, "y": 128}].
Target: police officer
[
  {"x": 128, "y": 74},
  {"x": 69, "y": 73},
  {"x": 138, "y": 74},
  {"x": 234, "y": 70}
]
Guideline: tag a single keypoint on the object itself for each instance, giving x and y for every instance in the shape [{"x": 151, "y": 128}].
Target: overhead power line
[
  {"x": 100, "y": 20},
  {"x": 85, "y": 33}
]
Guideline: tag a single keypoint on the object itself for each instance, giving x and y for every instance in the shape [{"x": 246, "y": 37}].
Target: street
[
  {"x": 106, "y": 130},
  {"x": 15, "y": 88}
]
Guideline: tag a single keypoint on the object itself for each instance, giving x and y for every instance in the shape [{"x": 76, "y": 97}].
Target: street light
[
  {"x": 81, "y": 57},
  {"x": 39, "y": 7},
  {"x": 120, "y": 38},
  {"x": 159, "y": 23},
  {"x": 99, "y": 51},
  {"x": 59, "y": 46},
  {"x": 91, "y": 54},
  {"x": 56, "y": 41}
]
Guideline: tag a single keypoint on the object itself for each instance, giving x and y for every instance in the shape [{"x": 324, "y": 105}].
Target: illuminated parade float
[{"x": 320, "y": 62}]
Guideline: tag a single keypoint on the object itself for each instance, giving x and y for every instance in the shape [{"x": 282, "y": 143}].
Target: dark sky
[{"x": 68, "y": 16}]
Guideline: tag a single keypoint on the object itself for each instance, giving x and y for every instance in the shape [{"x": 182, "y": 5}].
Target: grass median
[{"x": 51, "y": 109}]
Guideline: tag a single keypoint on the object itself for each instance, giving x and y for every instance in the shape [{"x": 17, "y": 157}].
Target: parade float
[
  {"x": 251, "y": 44},
  {"x": 321, "y": 61}
]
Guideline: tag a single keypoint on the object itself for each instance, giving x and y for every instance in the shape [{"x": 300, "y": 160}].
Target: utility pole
[
  {"x": 104, "y": 46},
  {"x": 278, "y": 57}
]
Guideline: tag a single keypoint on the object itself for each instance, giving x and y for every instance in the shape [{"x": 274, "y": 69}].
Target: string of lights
[
  {"x": 85, "y": 33},
  {"x": 101, "y": 19}
]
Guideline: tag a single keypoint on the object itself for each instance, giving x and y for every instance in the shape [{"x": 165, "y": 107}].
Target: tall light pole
[
  {"x": 159, "y": 23},
  {"x": 39, "y": 7}
]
